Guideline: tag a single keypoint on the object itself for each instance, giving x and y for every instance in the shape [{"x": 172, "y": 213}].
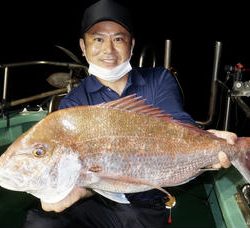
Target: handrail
[
  {"x": 6, "y": 68},
  {"x": 30, "y": 63},
  {"x": 33, "y": 98},
  {"x": 214, "y": 86},
  {"x": 143, "y": 54}
]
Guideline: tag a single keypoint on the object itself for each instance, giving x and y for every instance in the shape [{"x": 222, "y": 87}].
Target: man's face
[{"x": 107, "y": 44}]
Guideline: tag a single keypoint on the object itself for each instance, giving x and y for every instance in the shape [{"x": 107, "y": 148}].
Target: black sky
[{"x": 30, "y": 27}]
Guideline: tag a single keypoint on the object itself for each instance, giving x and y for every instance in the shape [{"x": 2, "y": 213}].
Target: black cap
[{"x": 106, "y": 10}]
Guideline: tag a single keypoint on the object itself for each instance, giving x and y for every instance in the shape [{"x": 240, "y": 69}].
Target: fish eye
[{"x": 39, "y": 151}]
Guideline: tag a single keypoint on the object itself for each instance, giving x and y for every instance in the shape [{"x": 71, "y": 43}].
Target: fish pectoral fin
[
  {"x": 87, "y": 179},
  {"x": 115, "y": 196}
]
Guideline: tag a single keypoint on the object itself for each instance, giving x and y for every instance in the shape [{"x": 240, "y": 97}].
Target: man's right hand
[{"x": 76, "y": 194}]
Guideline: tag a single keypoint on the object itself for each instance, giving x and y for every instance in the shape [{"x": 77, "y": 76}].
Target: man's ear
[{"x": 82, "y": 46}]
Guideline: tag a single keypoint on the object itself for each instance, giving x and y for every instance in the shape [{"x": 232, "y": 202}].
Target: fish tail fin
[
  {"x": 240, "y": 166},
  {"x": 242, "y": 161}
]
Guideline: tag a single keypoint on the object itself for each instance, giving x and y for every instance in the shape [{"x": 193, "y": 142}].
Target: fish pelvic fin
[
  {"x": 114, "y": 196},
  {"x": 134, "y": 181}
]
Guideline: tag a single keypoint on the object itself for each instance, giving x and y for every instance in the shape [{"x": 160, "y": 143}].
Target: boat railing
[{"x": 5, "y": 103}]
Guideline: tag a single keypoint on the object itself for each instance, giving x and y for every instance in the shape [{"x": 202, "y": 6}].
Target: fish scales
[{"x": 123, "y": 146}]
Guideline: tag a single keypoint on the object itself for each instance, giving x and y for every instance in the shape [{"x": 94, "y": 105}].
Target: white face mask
[{"x": 110, "y": 75}]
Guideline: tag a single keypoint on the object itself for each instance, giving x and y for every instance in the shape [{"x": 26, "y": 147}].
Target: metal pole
[
  {"x": 143, "y": 56},
  {"x": 167, "y": 56},
  {"x": 5, "y": 83},
  {"x": 226, "y": 121},
  {"x": 35, "y": 97},
  {"x": 214, "y": 85}
]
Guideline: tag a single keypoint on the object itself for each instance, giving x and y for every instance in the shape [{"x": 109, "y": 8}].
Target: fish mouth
[
  {"x": 10, "y": 184},
  {"x": 13, "y": 181},
  {"x": 48, "y": 194}
]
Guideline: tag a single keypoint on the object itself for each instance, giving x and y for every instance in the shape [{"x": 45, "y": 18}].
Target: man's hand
[
  {"x": 230, "y": 137},
  {"x": 76, "y": 194}
]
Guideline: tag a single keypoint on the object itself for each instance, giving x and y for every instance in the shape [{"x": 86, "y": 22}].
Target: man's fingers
[
  {"x": 216, "y": 166},
  {"x": 224, "y": 161},
  {"x": 229, "y": 136},
  {"x": 76, "y": 194},
  {"x": 52, "y": 207}
]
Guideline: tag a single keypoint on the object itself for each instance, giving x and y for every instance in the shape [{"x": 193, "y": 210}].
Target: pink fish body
[{"x": 123, "y": 146}]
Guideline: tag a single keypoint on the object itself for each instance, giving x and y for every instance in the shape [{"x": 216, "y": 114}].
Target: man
[{"x": 107, "y": 44}]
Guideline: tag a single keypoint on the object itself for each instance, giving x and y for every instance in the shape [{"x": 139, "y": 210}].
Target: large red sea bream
[{"x": 123, "y": 146}]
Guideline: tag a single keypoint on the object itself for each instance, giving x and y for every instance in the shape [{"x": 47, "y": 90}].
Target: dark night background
[{"x": 30, "y": 31}]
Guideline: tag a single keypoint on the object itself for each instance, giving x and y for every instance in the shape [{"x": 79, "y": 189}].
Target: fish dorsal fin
[{"x": 133, "y": 103}]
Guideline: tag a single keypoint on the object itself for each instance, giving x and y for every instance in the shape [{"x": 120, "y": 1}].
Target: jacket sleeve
[{"x": 76, "y": 97}]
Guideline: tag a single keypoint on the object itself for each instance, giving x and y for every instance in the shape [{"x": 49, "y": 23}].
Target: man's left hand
[{"x": 230, "y": 137}]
